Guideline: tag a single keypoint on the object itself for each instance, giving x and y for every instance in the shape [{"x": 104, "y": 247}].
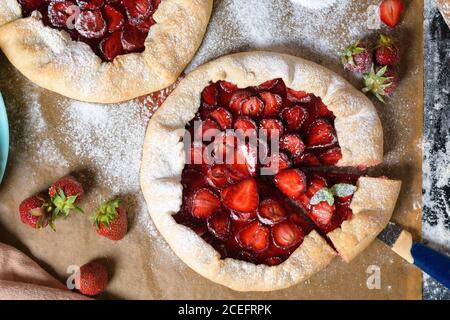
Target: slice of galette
[
  {"x": 236, "y": 171},
  {"x": 102, "y": 51}
]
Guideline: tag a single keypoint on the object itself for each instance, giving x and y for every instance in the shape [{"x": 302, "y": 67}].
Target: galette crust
[
  {"x": 52, "y": 60},
  {"x": 9, "y": 11},
  {"x": 359, "y": 133},
  {"x": 372, "y": 206}
]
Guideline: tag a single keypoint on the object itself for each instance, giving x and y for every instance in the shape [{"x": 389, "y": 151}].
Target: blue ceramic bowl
[{"x": 4, "y": 138}]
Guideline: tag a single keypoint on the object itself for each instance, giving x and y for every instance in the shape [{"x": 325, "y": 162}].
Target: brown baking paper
[{"x": 142, "y": 266}]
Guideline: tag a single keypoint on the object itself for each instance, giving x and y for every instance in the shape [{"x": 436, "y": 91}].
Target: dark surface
[{"x": 436, "y": 131}]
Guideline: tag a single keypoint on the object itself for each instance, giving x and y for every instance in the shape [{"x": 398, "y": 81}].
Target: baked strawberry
[
  {"x": 241, "y": 197},
  {"x": 277, "y": 162},
  {"x": 209, "y": 95},
  {"x": 272, "y": 127},
  {"x": 382, "y": 82},
  {"x": 65, "y": 193},
  {"x": 315, "y": 184},
  {"x": 321, "y": 134},
  {"x": 357, "y": 57},
  {"x": 90, "y": 4},
  {"x": 138, "y": 10},
  {"x": 391, "y": 12},
  {"x": 193, "y": 179},
  {"x": 297, "y": 96},
  {"x": 294, "y": 117},
  {"x": 208, "y": 130},
  {"x": 254, "y": 237},
  {"x": 111, "y": 47},
  {"x": 90, "y": 24},
  {"x": 36, "y": 211},
  {"x": 93, "y": 278},
  {"x": 225, "y": 91},
  {"x": 271, "y": 212},
  {"x": 272, "y": 104},
  {"x": 110, "y": 220},
  {"x": 133, "y": 39},
  {"x": 59, "y": 12},
  {"x": 331, "y": 156},
  {"x": 307, "y": 159},
  {"x": 219, "y": 224},
  {"x": 287, "y": 234},
  {"x": 245, "y": 124},
  {"x": 387, "y": 52},
  {"x": 292, "y": 182},
  {"x": 253, "y": 106},
  {"x": 275, "y": 86},
  {"x": 222, "y": 117},
  {"x": 293, "y": 144},
  {"x": 114, "y": 18},
  {"x": 322, "y": 213},
  {"x": 217, "y": 175},
  {"x": 237, "y": 99},
  {"x": 203, "y": 204}
]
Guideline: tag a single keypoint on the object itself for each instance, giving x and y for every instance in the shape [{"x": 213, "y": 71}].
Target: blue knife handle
[{"x": 435, "y": 264}]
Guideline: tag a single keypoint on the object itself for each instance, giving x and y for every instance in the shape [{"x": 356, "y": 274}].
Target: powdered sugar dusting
[{"x": 315, "y": 4}]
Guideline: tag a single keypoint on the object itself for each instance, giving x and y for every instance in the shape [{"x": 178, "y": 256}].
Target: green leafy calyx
[
  {"x": 106, "y": 213},
  {"x": 327, "y": 194}
]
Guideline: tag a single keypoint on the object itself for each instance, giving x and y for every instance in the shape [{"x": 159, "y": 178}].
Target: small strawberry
[
  {"x": 292, "y": 182},
  {"x": 387, "y": 52},
  {"x": 381, "y": 82},
  {"x": 242, "y": 197},
  {"x": 93, "y": 278},
  {"x": 222, "y": 117},
  {"x": 287, "y": 234},
  {"x": 65, "y": 193},
  {"x": 331, "y": 156},
  {"x": 35, "y": 211},
  {"x": 321, "y": 134},
  {"x": 255, "y": 237},
  {"x": 293, "y": 144},
  {"x": 271, "y": 212},
  {"x": 110, "y": 219},
  {"x": 357, "y": 57},
  {"x": 391, "y": 12}
]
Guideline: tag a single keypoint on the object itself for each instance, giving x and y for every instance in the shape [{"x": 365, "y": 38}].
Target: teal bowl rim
[{"x": 4, "y": 137}]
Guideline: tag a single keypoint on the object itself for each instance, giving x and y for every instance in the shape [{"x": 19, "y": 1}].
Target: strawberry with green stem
[
  {"x": 35, "y": 211},
  {"x": 110, "y": 220},
  {"x": 357, "y": 57},
  {"x": 381, "y": 82},
  {"x": 387, "y": 53}
]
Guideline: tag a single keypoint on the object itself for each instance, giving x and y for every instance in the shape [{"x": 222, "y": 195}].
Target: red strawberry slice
[
  {"x": 292, "y": 182},
  {"x": 245, "y": 124},
  {"x": 277, "y": 162},
  {"x": 111, "y": 47},
  {"x": 133, "y": 39},
  {"x": 276, "y": 86},
  {"x": 59, "y": 13},
  {"x": 391, "y": 12},
  {"x": 219, "y": 224},
  {"x": 204, "y": 203},
  {"x": 271, "y": 212},
  {"x": 237, "y": 100},
  {"x": 315, "y": 184},
  {"x": 242, "y": 197},
  {"x": 252, "y": 107},
  {"x": 207, "y": 130},
  {"x": 225, "y": 91},
  {"x": 192, "y": 179},
  {"x": 294, "y": 117},
  {"x": 242, "y": 216},
  {"x": 248, "y": 154},
  {"x": 145, "y": 25},
  {"x": 322, "y": 213},
  {"x": 224, "y": 147},
  {"x": 321, "y": 134},
  {"x": 90, "y": 4},
  {"x": 293, "y": 144},
  {"x": 209, "y": 95},
  {"x": 273, "y": 261},
  {"x": 90, "y": 24},
  {"x": 331, "y": 156},
  {"x": 217, "y": 175},
  {"x": 307, "y": 159},
  {"x": 323, "y": 110},
  {"x": 222, "y": 117},
  {"x": 138, "y": 10},
  {"x": 295, "y": 96},
  {"x": 287, "y": 234},
  {"x": 272, "y": 127},
  {"x": 272, "y": 104},
  {"x": 115, "y": 18},
  {"x": 254, "y": 237}
]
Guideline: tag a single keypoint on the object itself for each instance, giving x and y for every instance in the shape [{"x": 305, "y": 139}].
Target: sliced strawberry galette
[
  {"x": 237, "y": 174},
  {"x": 102, "y": 50}
]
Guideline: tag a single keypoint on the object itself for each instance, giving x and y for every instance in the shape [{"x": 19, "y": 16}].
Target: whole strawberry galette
[
  {"x": 241, "y": 171},
  {"x": 102, "y": 50}
]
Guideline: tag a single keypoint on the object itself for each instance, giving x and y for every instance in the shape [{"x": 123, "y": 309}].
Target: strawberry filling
[
  {"x": 250, "y": 201},
  {"x": 109, "y": 27}
]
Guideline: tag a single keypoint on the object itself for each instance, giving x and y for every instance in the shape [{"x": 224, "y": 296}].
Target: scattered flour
[{"x": 315, "y": 4}]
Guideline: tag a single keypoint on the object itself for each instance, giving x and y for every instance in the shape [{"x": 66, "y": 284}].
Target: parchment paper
[{"x": 142, "y": 266}]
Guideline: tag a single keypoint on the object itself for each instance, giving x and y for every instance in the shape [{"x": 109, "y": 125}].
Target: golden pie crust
[
  {"x": 360, "y": 136},
  {"x": 52, "y": 60}
]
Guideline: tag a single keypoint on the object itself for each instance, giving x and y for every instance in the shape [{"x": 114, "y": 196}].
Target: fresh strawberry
[
  {"x": 307, "y": 159},
  {"x": 277, "y": 162},
  {"x": 331, "y": 156},
  {"x": 65, "y": 193},
  {"x": 225, "y": 91},
  {"x": 391, "y": 12},
  {"x": 322, "y": 213},
  {"x": 382, "y": 82},
  {"x": 237, "y": 100},
  {"x": 222, "y": 117},
  {"x": 272, "y": 127},
  {"x": 111, "y": 47},
  {"x": 294, "y": 117},
  {"x": 114, "y": 18},
  {"x": 133, "y": 39},
  {"x": 242, "y": 197},
  {"x": 254, "y": 237},
  {"x": 217, "y": 175},
  {"x": 90, "y": 4},
  {"x": 110, "y": 220},
  {"x": 204, "y": 202},
  {"x": 58, "y": 12},
  {"x": 293, "y": 144},
  {"x": 287, "y": 234},
  {"x": 219, "y": 224},
  {"x": 93, "y": 278},
  {"x": 272, "y": 104},
  {"x": 292, "y": 182},
  {"x": 36, "y": 211},
  {"x": 387, "y": 52},
  {"x": 209, "y": 95},
  {"x": 90, "y": 24},
  {"x": 271, "y": 212},
  {"x": 357, "y": 57},
  {"x": 138, "y": 10},
  {"x": 245, "y": 124},
  {"x": 321, "y": 134}
]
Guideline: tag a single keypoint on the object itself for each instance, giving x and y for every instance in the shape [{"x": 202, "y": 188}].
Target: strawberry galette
[
  {"x": 243, "y": 171},
  {"x": 102, "y": 50}
]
